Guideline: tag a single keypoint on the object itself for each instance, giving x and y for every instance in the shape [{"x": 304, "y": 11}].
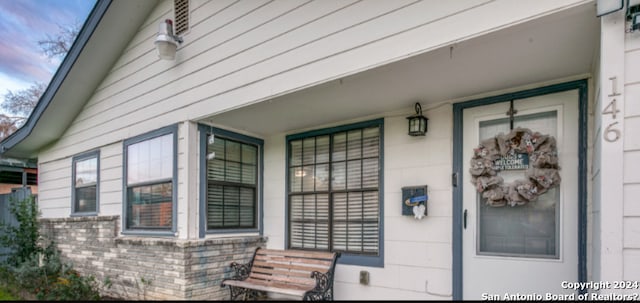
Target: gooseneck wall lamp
[
  {"x": 417, "y": 122},
  {"x": 166, "y": 42}
]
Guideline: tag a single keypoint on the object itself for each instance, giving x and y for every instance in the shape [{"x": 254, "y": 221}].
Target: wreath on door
[{"x": 541, "y": 175}]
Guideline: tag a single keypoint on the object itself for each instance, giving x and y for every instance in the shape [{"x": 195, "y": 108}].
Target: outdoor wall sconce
[
  {"x": 166, "y": 42},
  {"x": 417, "y": 122}
]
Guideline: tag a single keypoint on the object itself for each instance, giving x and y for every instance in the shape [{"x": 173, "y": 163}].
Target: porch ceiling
[{"x": 556, "y": 46}]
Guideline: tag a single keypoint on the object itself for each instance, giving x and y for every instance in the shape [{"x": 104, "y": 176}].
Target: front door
[{"x": 527, "y": 242}]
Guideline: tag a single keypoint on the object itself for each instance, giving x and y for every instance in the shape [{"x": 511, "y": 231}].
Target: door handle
[{"x": 464, "y": 219}]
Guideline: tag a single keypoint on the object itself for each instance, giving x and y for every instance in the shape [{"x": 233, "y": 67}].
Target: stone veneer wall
[{"x": 148, "y": 268}]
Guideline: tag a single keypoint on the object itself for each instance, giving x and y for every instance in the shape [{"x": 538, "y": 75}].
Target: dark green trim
[
  {"x": 456, "y": 274},
  {"x": 12, "y": 169},
  {"x": 81, "y": 40},
  {"x": 203, "y": 130},
  {"x": 345, "y": 258},
  {"x": 17, "y": 163},
  {"x": 337, "y": 129},
  {"x": 80, "y": 157},
  {"x": 582, "y": 182},
  {"x": 171, "y": 129},
  {"x": 581, "y": 86}
]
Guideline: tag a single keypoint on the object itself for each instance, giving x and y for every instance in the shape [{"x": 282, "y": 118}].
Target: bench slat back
[{"x": 289, "y": 267}]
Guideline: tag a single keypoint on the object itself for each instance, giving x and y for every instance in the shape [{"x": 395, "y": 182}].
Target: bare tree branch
[
  {"x": 20, "y": 103},
  {"x": 59, "y": 45},
  {"x": 7, "y": 126}
]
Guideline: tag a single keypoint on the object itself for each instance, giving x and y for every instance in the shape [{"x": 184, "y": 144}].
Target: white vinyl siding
[
  {"x": 55, "y": 177},
  {"x": 240, "y": 52},
  {"x": 631, "y": 174},
  {"x": 54, "y": 180},
  {"x": 417, "y": 253}
]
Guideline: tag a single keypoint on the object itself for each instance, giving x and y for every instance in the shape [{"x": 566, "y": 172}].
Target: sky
[{"x": 22, "y": 24}]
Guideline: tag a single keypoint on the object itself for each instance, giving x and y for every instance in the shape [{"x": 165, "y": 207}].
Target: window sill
[
  {"x": 149, "y": 233},
  {"x": 359, "y": 260},
  {"x": 87, "y": 214},
  {"x": 232, "y": 231},
  {"x": 188, "y": 243}
]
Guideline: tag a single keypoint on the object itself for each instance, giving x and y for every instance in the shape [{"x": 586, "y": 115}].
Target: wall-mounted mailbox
[{"x": 414, "y": 201}]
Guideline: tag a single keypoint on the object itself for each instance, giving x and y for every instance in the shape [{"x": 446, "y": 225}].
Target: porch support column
[
  {"x": 608, "y": 164},
  {"x": 188, "y": 151}
]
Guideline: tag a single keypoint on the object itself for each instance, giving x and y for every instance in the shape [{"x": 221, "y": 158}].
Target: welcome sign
[{"x": 512, "y": 162}]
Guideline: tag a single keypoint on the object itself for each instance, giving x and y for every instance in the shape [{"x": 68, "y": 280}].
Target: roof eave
[
  {"x": 8, "y": 144},
  {"x": 105, "y": 34}
]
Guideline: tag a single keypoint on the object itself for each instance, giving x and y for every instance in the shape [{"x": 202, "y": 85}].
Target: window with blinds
[
  {"x": 232, "y": 178},
  {"x": 149, "y": 176},
  {"x": 85, "y": 183},
  {"x": 333, "y": 196}
]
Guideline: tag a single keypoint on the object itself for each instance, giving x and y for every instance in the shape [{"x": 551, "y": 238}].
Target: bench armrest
[
  {"x": 241, "y": 270},
  {"x": 324, "y": 287},
  {"x": 323, "y": 291},
  {"x": 323, "y": 281}
]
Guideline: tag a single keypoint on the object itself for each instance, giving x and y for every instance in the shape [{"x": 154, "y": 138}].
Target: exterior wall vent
[{"x": 181, "y": 11}]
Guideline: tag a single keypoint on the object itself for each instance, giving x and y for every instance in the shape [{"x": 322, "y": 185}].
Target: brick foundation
[{"x": 145, "y": 268}]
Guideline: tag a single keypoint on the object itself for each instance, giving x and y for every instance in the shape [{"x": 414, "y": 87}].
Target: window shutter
[
  {"x": 355, "y": 222},
  {"x": 310, "y": 221},
  {"x": 247, "y": 207},
  {"x": 230, "y": 206},
  {"x": 215, "y": 204},
  {"x": 249, "y": 164}
]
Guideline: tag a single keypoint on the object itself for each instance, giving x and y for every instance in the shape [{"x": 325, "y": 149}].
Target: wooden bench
[{"x": 305, "y": 274}]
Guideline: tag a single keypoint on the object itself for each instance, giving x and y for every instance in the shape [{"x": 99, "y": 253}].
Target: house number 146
[{"x": 611, "y": 133}]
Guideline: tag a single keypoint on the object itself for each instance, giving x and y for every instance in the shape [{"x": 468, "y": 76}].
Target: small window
[
  {"x": 86, "y": 168},
  {"x": 149, "y": 174},
  {"x": 231, "y": 177}
]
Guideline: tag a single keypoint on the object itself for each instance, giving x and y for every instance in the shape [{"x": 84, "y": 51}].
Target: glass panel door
[
  {"x": 527, "y": 248},
  {"x": 529, "y": 230}
]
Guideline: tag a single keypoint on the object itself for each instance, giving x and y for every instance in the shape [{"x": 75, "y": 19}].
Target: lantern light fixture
[
  {"x": 417, "y": 122},
  {"x": 166, "y": 42}
]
